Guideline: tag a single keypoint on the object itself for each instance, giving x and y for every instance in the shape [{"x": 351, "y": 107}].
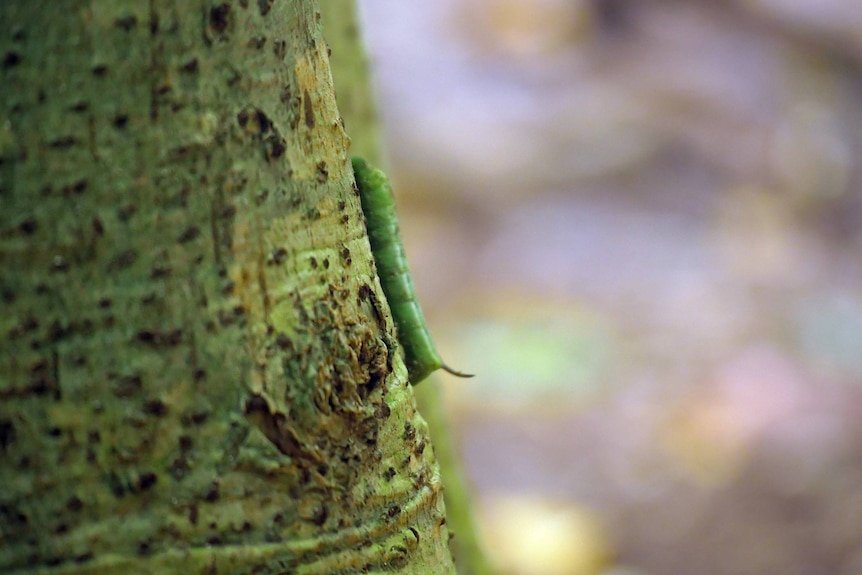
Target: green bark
[
  {"x": 351, "y": 73},
  {"x": 196, "y": 371},
  {"x": 357, "y": 103}
]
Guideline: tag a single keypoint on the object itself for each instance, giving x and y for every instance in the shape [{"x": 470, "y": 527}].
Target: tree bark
[{"x": 197, "y": 371}]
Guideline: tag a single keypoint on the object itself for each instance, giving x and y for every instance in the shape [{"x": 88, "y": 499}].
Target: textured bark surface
[
  {"x": 195, "y": 372},
  {"x": 353, "y": 78}
]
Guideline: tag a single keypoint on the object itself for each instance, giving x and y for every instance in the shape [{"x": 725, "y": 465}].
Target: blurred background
[{"x": 640, "y": 223}]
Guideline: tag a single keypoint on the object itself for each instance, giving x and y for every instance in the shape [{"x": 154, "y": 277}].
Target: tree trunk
[{"x": 197, "y": 371}]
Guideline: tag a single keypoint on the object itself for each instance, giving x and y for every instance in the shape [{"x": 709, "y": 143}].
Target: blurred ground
[{"x": 640, "y": 222}]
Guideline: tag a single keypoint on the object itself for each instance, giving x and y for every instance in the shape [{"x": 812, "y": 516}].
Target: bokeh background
[{"x": 640, "y": 223}]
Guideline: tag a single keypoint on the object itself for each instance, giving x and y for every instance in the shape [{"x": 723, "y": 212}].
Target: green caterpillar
[{"x": 378, "y": 205}]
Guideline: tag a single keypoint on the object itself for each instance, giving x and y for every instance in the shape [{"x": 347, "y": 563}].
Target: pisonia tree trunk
[{"x": 197, "y": 367}]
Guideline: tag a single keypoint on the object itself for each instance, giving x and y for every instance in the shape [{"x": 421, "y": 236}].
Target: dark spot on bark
[
  {"x": 189, "y": 234},
  {"x": 144, "y": 481},
  {"x": 409, "y": 432},
  {"x": 123, "y": 260},
  {"x": 12, "y": 515},
  {"x": 253, "y": 121},
  {"x": 309, "y": 110},
  {"x": 8, "y": 294},
  {"x": 62, "y": 142},
  {"x": 74, "y": 504},
  {"x": 58, "y": 331},
  {"x": 393, "y": 511},
  {"x": 116, "y": 486},
  {"x": 345, "y": 218},
  {"x": 389, "y": 474},
  {"x": 156, "y": 338},
  {"x": 28, "y": 226},
  {"x": 212, "y": 495},
  {"x": 77, "y": 188},
  {"x": 105, "y": 302},
  {"x": 178, "y": 468},
  {"x": 127, "y": 385},
  {"x": 195, "y": 417},
  {"x": 279, "y": 48},
  {"x": 11, "y": 59},
  {"x": 190, "y": 67},
  {"x": 285, "y": 94},
  {"x": 100, "y": 70},
  {"x": 228, "y": 211},
  {"x": 279, "y": 256},
  {"x": 125, "y": 213},
  {"x": 219, "y": 17},
  {"x": 185, "y": 442},
  {"x": 84, "y": 557},
  {"x": 264, "y": 6},
  {"x": 154, "y": 23},
  {"x": 326, "y": 263},
  {"x": 144, "y": 547},
  {"x": 26, "y": 325},
  {"x": 94, "y": 437},
  {"x": 316, "y": 512},
  {"x": 160, "y": 270},
  {"x": 120, "y": 121},
  {"x": 256, "y": 404},
  {"x": 80, "y": 106},
  {"x": 55, "y": 432},
  {"x": 193, "y": 514},
  {"x": 322, "y": 172},
  {"x": 282, "y": 341},
  {"x": 155, "y": 407},
  {"x": 313, "y": 261},
  {"x": 126, "y": 23},
  {"x": 59, "y": 264},
  {"x": 98, "y": 227},
  {"x": 199, "y": 374},
  {"x": 275, "y": 146},
  {"x": 234, "y": 78},
  {"x": 43, "y": 378},
  {"x": 8, "y": 434},
  {"x": 60, "y": 529},
  {"x": 215, "y": 541},
  {"x": 54, "y": 560}
]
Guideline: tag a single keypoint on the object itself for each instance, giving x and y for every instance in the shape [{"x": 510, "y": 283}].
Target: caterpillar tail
[{"x": 455, "y": 372}]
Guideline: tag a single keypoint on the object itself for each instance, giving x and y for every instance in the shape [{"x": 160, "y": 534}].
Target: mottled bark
[
  {"x": 195, "y": 371},
  {"x": 354, "y": 86}
]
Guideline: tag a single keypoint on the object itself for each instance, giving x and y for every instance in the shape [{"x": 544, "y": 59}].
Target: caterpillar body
[{"x": 378, "y": 206}]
